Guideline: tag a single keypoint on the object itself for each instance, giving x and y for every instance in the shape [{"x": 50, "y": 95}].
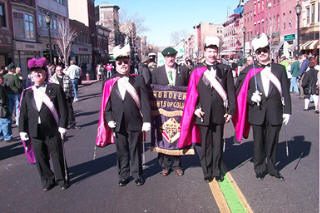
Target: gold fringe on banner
[
  {"x": 173, "y": 152},
  {"x": 167, "y": 113}
]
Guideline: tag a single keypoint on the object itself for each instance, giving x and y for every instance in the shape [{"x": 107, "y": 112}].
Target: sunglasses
[
  {"x": 122, "y": 62},
  {"x": 262, "y": 50}
]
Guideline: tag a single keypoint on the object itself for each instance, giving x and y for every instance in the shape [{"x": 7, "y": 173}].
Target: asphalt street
[{"x": 94, "y": 185}]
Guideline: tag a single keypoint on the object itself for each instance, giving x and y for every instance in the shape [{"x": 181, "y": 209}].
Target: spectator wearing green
[{"x": 295, "y": 69}]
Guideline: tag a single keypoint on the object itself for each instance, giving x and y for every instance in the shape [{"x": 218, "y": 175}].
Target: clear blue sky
[{"x": 162, "y": 17}]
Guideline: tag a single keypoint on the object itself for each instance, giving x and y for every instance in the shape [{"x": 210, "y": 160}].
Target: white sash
[
  {"x": 132, "y": 92},
  {"x": 275, "y": 81},
  {"x": 218, "y": 87},
  {"x": 47, "y": 101}
]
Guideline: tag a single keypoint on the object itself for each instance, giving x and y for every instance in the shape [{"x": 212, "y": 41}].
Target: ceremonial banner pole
[
  {"x": 255, "y": 79},
  {"x": 64, "y": 162},
  {"x": 143, "y": 148}
]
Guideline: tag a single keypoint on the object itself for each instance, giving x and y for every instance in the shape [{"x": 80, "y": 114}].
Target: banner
[{"x": 167, "y": 104}]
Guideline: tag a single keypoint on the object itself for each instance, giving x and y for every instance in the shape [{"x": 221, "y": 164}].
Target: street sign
[{"x": 290, "y": 37}]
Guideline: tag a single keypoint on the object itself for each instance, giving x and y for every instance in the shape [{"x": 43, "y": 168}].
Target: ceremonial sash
[
  {"x": 275, "y": 81},
  {"x": 46, "y": 100},
  {"x": 218, "y": 87},
  {"x": 132, "y": 92}
]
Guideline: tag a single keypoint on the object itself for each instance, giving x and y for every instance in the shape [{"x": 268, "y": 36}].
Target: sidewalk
[{"x": 88, "y": 82}]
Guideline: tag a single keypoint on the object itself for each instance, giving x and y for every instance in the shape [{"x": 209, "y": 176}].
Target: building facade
[
  {"x": 107, "y": 15},
  {"x": 6, "y": 43},
  {"x": 57, "y": 12}
]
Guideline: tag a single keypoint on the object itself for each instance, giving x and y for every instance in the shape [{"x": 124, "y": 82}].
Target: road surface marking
[{"x": 228, "y": 196}]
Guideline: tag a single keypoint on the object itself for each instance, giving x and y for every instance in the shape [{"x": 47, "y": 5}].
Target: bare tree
[
  {"x": 138, "y": 21},
  {"x": 177, "y": 36},
  {"x": 65, "y": 37}
]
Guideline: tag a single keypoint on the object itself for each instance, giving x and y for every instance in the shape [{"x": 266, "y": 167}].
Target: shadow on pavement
[
  {"x": 298, "y": 149},
  {"x": 11, "y": 150},
  {"x": 90, "y": 123},
  {"x": 235, "y": 156},
  {"x": 92, "y": 167},
  {"x": 87, "y": 113}
]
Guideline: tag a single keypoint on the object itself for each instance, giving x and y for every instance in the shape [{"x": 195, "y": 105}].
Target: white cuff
[
  {"x": 24, "y": 136},
  {"x": 146, "y": 126},
  {"x": 62, "y": 130},
  {"x": 112, "y": 124}
]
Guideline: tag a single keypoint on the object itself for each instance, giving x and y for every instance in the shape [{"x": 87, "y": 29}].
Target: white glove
[
  {"x": 199, "y": 113},
  {"x": 227, "y": 117},
  {"x": 112, "y": 124},
  {"x": 286, "y": 118},
  {"x": 63, "y": 132},
  {"x": 256, "y": 97},
  {"x": 146, "y": 126},
  {"x": 24, "y": 136}
]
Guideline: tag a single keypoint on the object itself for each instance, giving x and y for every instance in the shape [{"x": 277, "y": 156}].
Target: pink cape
[
  {"x": 189, "y": 132},
  {"x": 240, "y": 121},
  {"x": 29, "y": 154},
  {"x": 104, "y": 135}
]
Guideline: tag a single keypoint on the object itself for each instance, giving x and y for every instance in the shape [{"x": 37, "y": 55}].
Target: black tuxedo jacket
[
  {"x": 125, "y": 112},
  {"x": 210, "y": 101},
  {"x": 270, "y": 106},
  {"x": 29, "y": 114},
  {"x": 159, "y": 76}
]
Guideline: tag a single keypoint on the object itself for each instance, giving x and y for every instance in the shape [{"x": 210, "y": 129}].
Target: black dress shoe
[
  {"x": 208, "y": 180},
  {"x": 260, "y": 176},
  {"x": 48, "y": 187},
  {"x": 219, "y": 178},
  {"x": 278, "y": 176},
  {"x": 140, "y": 181},
  {"x": 123, "y": 182},
  {"x": 65, "y": 186}
]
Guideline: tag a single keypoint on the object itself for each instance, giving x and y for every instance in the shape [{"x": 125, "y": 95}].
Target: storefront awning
[{"x": 310, "y": 45}]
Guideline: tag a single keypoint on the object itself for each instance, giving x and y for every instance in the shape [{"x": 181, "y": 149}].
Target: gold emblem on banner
[{"x": 171, "y": 130}]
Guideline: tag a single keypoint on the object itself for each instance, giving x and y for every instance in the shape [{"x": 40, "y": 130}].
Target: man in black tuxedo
[
  {"x": 175, "y": 75},
  {"x": 215, "y": 107},
  {"x": 128, "y": 113},
  {"x": 269, "y": 106},
  {"x": 43, "y": 120}
]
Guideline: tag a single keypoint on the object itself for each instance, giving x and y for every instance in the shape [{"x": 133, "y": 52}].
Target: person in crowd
[
  {"x": 65, "y": 82},
  {"x": 295, "y": 69},
  {"x": 303, "y": 68},
  {"x": 5, "y": 124},
  {"x": 125, "y": 110},
  {"x": 210, "y": 103},
  {"x": 174, "y": 75},
  {"x": 264, "y": 103},
  {"x": 14, "y": 88},
  {"x": 152, "y": 61},
  {"x": 145, "y": 72},
  {"x": 43, "y": 121},
  {"x": 309, "y": 85},
  {"x": 74, "y": 72}
]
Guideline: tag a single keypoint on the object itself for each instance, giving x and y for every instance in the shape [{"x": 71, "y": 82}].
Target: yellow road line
[
  {"x": 219, "y": 197},
  {"x": 241, "y": 196}
]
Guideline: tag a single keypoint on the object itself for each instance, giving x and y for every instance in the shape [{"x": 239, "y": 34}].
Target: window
[
  {"x": 313, "y": 13},
  {"x": 2, "y": 16},
  {"x": 60, "y": 1},
  {"x": 318, "y": 11},
  {"x": 308, "y": 15},
  {"x": 29, "y": 28},
  {"x": 23, "y": 26},
  {"x": 278, "y": 23}
]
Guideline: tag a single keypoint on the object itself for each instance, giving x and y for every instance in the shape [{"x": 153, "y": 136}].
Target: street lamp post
[
  {"x": 298, "y": 12},
  {"x": 48, "y": 22},
  {"x": 244, "y": 41}
]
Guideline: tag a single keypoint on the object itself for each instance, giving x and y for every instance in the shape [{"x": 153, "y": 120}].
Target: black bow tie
[
  {"x": 264, "y": 65},
  {"x": 213, "y": 66},
  {"x": 39, "y": 86}
]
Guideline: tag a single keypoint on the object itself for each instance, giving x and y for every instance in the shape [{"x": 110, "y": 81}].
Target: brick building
[{"x": 6, "y": 43}]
